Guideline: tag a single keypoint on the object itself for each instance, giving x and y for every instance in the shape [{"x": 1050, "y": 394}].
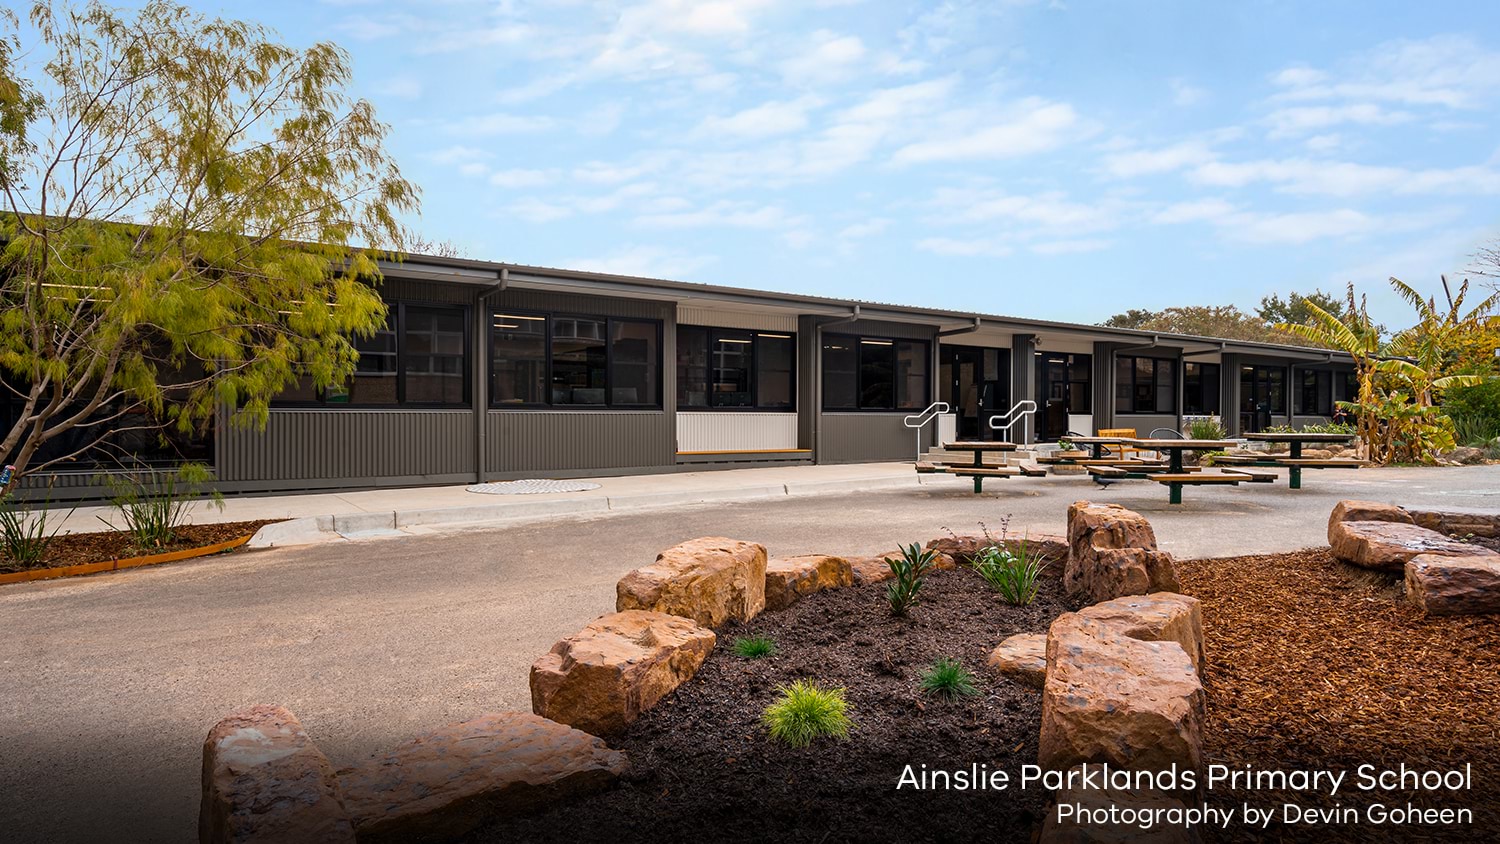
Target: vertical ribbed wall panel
[
  {"x": 578, "y": 440},
  {"x": 317, "y": 444},
  {"x": 727, "y": 431},
  {"x": 737, "y": 319},
  {"x": 859, "y": 437}
]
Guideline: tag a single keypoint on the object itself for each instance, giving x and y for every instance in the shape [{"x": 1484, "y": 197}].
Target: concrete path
[{"x": 109, "y": 683}]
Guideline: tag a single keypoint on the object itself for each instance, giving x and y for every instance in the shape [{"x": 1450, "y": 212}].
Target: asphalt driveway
[{"x": 109, "y": 683}]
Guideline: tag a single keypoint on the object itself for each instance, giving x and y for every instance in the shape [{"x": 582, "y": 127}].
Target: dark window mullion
[{"x": 400, "y": 354}]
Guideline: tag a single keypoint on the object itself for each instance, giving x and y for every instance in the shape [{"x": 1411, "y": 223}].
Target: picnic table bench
[
  {"x": 977, "y": 469},
  {"x": 1295, "y": 462}
]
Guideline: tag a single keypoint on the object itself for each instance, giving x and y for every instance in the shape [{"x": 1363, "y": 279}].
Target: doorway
[
  {"x": 975, "y": 382},
  {"x": 1064, "y": 386}
]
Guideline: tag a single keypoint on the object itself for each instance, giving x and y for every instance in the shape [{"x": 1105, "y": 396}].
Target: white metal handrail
[
  {"x": 1021, "y": 411},
  {"x": 918, "y": 421}
]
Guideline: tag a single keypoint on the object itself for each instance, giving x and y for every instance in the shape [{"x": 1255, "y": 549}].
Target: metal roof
[{"x": 493, "y": 273}]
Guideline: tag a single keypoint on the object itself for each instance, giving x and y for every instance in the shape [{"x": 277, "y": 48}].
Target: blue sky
[{"x": 1065, "y": 160}]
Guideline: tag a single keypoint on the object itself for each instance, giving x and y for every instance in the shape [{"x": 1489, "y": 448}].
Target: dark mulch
[
  {"x": 1314, "y": 664},
  {"x": 73, "y": 549},
  {"x": 705, "y": 770}
]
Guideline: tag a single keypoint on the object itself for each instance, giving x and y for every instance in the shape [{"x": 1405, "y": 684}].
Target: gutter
[{"x": 479, "y": 382}]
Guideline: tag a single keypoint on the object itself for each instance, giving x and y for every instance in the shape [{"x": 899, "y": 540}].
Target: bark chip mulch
[
  {"x": 1313, "y": 664},
  {"x": 71, "y": 549},
  {"x": 705, "y": 770}
]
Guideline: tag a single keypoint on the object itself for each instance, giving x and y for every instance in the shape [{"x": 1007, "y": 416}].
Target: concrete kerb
[{"x": 315, "y": 529}]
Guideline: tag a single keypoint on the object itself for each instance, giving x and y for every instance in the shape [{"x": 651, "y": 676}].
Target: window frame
[
  {"x": 1203, "y": 394},
  {"x": 711, "y": 335},
  {"x": 859, "y": 374},
  {"x": 1155, "y": 386},
  {"x": 609, "y": 361},
  {"x": 398, "y": 307},
  {"x": 1319, "y": 375}
]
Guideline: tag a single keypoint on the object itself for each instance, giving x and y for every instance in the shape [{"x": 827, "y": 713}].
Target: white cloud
[
  {"x": 1343, "y": 178},
  {"x": 1034, "y": 125},
  {"x": 520, "y": 178},
  {"x": 1148, "y": 162},
  {"x": 1451, "y": 71},
  {"x": 1070, "y": 247},
  {"x": 498, "y": 123},
  {"x": 868, "y": 228},
  {"x": 459, "y": 154},
  {"x": 1193, "y": 211},
  {"x": 1184, "y": 94},
  {"x": 723, "y": 213},
  {"x": 1300, "y": 227},
  {"x": 762, "y": 121},
  {"x": 1299, "y": 120},
  {"x": 830, "y": 57},
  {"x": 1050, "y": 211},
  {"x": 645, "y": 261},
  {"x": 402, "y": 87},
  {"x": 972, "y": 248}
]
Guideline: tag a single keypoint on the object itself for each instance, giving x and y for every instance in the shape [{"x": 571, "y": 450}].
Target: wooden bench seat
[
  {"x": 1315, "y": 463},
  {"x": 1245, "y": 459},
  {"x": 1198, "y": 478},
  {"x": 986, "y": 472},
  {"x": 979, "y": 446},
  {"x": 1032, "y": 471},
  {"x": 928, "y": 469},
  {"x": 1253, "y": 476}
]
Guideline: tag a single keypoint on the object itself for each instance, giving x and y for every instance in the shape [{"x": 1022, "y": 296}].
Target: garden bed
[
  {"x": 705, "y": 770},
  {"x": 1315, "y": 664},
  {"x": 72, "y": 549}
]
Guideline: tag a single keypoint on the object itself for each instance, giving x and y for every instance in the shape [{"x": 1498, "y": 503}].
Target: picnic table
[
  {"x": 977, "y": 470},
  {"x": 1295, "y": 462}
]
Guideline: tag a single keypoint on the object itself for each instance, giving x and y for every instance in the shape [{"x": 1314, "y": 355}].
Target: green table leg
[
  {"x": 978, "y": 484},
  {"x": 1175, "y": 464},
  {"x": 978, "y": 464},
  {"x": 1174, "y": 493},
  {"x": 1294, "y": 474}
]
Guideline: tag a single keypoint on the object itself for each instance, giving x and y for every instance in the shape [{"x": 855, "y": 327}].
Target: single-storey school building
[{"x": 490, "y": 371}]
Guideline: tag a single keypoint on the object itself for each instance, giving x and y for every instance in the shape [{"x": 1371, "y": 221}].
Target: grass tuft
[
  {"x": 1014, "y": 572},
  {"x": 754, "y": 647},
  {"x": 907, "y": 577},
  {"x": 947, "y": 678},
  {"x": 805, "y": 711}
]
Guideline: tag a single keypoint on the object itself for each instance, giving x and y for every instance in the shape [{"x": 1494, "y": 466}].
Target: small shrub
[
  {"x": 908, "y": 574},
  {"x": 1206, "y": 429},
  {"x": 1474, "y": 430},
  {"x": 947, "y": 678},
  {"x": 1065, "y": 445},
  {"x": 154, "y": 504},
  {"x": 754, "y": 647},
  {"x": 1315, "y": 428},
  {"x": 24, "y": 536},
  {"x": 806, "y": 711},
  {"x": 1014, "y": 573}
]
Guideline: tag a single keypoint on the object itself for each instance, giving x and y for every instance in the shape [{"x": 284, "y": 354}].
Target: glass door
[{"x": 974, "y": 383}]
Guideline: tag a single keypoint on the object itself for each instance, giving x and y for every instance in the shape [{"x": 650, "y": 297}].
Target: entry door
[
  {"x": 1063, "y": 387},
  {"x": 974, "y": 386}
]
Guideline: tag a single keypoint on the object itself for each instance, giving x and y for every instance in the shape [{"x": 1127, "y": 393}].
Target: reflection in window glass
[
  {"x": 877, "y": 388},
  {"x": 911, "y": 371},
  {"x": 518, "y": 359},
  {"x": 633, "y": 363},
  {"x": 434, "y": 340},
  {"x": 841, "y": 373},
  {"x": 775, "y": 363},
  {"x": 578, "y": 357},
  {"x": 692, "y": 366},
  {"x": 374, "y": 380},
  {"x": 731, "y": 353}
]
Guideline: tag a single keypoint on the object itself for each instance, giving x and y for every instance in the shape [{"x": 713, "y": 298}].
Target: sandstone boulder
[
  {"x": 867, "y": 570},
  {"x": 789, "y": 579},
  {"x": 1458, "y": 522},
  {"x": 1051, "y": 547},
  {"x": 1158, "y": 617},
  {"x": 1386, "y": 546},
  {"x": 710, "y": 580},
  {"x": 440, "y": 786},
  {"x": 1454, "y": 585},
  {"x": 1023, "y": 658},
  {"x": 603, "y": 677},
  {"x": 265, "y": 780},
  {"x": 1350, "y": 510},
  {"x": 1111, "y": 698},
  {"x": 1112, "y": 552}
]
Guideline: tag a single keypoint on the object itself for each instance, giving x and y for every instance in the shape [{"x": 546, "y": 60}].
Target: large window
[
  {"x": 419, "y": 358},
  {"x": 873, "y": 373},
  {"x": 574, "y": 361},
  {"x": 1145, "y": 385},
  {"x": 1314, "y": 392},
  {"x": 1200, "y": 389},
  {"x": 1263, "y": 389},
  {"x": 731, "y": 369}
]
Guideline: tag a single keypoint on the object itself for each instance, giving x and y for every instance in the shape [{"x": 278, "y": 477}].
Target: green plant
[
  {"x": 947, "y": 678},
  {"x": 1207, "y": 458},
  {"x": 24, "y": 536},
  {"x": 754, "y": 647},
  {"x": 907, "y": 576},
  {"x": 1065, "y": 445},
  {"x": 154, "y": 504},
  {"x": 1013, "y": 571},
  {"x": 1315, "y": 428},
  {"x": 1473, "y": 429},
  {"x": 1206, "y": 429},
  {"x": 806, "y": 711}
]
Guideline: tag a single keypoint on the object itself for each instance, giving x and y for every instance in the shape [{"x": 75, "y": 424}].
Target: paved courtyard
[{"x": 108, "y": 684}]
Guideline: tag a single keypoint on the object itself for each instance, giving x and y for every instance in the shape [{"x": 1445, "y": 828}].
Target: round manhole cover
[{"x": 532, "y": 487}]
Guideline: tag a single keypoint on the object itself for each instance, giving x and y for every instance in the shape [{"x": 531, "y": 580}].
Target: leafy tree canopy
[{"x": 191, "y": 217}]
